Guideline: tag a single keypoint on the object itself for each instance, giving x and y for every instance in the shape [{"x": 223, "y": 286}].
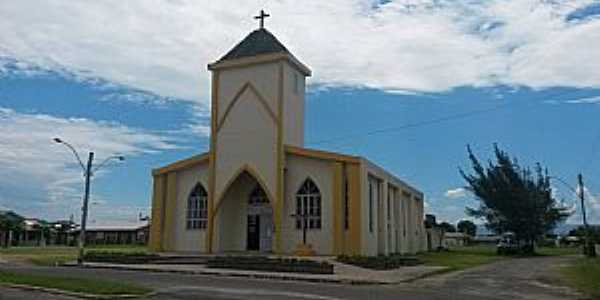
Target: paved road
[
  {"x": 530, "y": 278},
  {"x": 13, "y": 294},
  {"x": 521, "y": 278}
]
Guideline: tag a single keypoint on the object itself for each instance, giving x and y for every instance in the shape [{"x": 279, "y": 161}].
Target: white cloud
[
  {"x": 456, "y": 193},
  {"x": 39, "y": 177},
  {"x": 586, "y": 100},
  {"x": 402, "y": 45}
]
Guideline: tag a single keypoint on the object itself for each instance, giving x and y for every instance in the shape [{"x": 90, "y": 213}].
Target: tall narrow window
[
  {"x": 308, "y": 204},
  {"x": 197, "y": 214},
  {"x": 296, "y": 83},
  {"x": 417, "y": 228},
  {"x": 406, "y": 202},
  {"x": 389, "y": 204},
  {"x": 371, "y": 196},
  {"x": 346, "y": 206}
]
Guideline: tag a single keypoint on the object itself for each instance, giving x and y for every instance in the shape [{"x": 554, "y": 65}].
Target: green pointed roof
[{"x": 258, "y": 42}]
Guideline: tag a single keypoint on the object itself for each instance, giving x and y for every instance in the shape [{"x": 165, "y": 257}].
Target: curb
[
  {"x": 245, "y": 275},
  {"x": 59, "y": 292}
]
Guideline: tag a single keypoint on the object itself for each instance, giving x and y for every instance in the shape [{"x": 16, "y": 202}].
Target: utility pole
[
  {"x": 84, "y": 209},
  {"x": 88, "y": 173},
  {"x": 588, "y": 249}
]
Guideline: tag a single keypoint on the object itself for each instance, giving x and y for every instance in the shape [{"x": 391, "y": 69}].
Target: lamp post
[
  {"x": 580, "y": 192},
  {"x": 88, "y": 173}
]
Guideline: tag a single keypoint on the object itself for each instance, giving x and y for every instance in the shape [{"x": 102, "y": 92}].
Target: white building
[{"x": 247, "y": 192}]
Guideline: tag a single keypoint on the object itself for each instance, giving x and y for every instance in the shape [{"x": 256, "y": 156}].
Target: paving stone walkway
[{"x": 343, "y": 273}]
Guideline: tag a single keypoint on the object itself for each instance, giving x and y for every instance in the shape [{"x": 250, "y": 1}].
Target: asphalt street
[{"x": 525, "y": 278}]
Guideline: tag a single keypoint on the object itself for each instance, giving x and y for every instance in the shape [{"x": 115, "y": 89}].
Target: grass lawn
[
  {"x": 556, "y": 251},
  {"x": 584, "y": 275},
  {"x": 91, "y": 286},
  {"x": 51, "y": 255},
  {"x": 461, "y": 257}
]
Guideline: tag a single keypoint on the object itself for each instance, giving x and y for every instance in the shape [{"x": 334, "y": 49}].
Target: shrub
[
  {"x": 119, "y": 257},
  {"x": 262, "y": 263},
  {"x": 379, "y": 262}
]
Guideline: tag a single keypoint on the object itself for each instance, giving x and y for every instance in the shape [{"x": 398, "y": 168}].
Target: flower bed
[
  {"x": 120, "y": 257},
  {"x": 265, "y": 264},
  {"x": 379, "y": 262}
]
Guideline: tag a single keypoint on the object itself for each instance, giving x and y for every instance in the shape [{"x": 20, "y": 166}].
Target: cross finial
[{"x": 262, "y": 17}]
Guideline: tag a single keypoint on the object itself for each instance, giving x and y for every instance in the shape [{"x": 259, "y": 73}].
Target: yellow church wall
[
  {"x": 169, "y": 229},
  {"x": 337, "y": 168},
  {"x": 298, "y": 169},
  {"x": 155, "y": 242},
  {"x": 189, "y": 240},
  {"x": 352, "y": 235},
  {"x": 171, "y": 187},
  {"x": 382, "y": 239}
]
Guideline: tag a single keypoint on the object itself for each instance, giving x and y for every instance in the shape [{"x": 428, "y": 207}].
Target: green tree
[
  {"x": 447, "y": 227},
  {"x": 10, "y": 221},
  {"x": 512, "y": 198},
  {"x": 580, "y": 232},
  {"x": 467, "y": 227}
]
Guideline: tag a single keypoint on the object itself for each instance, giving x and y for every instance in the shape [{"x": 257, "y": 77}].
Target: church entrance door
[
  {"x": 260, "y": 221},
  {"x": 253, "y": 233}
]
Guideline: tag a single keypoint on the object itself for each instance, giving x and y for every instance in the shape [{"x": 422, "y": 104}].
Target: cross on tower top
[{"x": 262, "y": 17}]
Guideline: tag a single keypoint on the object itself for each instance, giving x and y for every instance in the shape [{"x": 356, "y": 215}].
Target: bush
[
  {"x": 261, "y": 263},
  {"x": 119, "y": 257},
  {"x": 379, "y": 262}
]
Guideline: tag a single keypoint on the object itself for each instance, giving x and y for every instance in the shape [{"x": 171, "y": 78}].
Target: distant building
[
  {"x": 34, "y": 233},
  {"x": 435, "y": 233},
  {"x": 118, "y": 234},
  {"x": 455, "y": 239}
]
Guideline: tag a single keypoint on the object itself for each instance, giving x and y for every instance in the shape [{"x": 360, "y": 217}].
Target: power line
[{"x": 448, "y": 118}]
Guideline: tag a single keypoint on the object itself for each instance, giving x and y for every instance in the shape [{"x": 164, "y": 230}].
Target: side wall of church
[
  {"x": 298, "y": 169},
  {"x": 392, "y": 213},
  {"x": 187, "y": 240}
]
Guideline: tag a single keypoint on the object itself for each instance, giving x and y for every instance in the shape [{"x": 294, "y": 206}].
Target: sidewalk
[{"x": 345, "y": 274}]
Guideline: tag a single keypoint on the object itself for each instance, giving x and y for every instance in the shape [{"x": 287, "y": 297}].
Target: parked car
[{"x": 508, "y": 244}]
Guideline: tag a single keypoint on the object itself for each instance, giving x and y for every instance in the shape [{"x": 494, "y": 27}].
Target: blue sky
[{"x": 407, "y": 84}]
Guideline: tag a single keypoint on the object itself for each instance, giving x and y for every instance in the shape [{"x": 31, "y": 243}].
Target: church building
[{"x": 258, "y": 189}]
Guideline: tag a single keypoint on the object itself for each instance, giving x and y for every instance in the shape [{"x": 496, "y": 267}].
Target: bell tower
[{"x": 257, "y": 107}]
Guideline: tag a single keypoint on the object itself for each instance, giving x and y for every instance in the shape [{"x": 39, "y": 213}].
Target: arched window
[
  {"x": 258, "y": 196},
  {"x": 308, "y": 203},
  {"x": 197, "y": 213}
]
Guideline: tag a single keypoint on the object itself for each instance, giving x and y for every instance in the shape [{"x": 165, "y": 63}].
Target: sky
[{"x": 407, "y": 84}]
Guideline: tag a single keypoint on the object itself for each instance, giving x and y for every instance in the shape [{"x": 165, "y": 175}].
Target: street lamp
[
  {"x": 588, "y": 249},
  {"x": 88, "y": 173}
]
